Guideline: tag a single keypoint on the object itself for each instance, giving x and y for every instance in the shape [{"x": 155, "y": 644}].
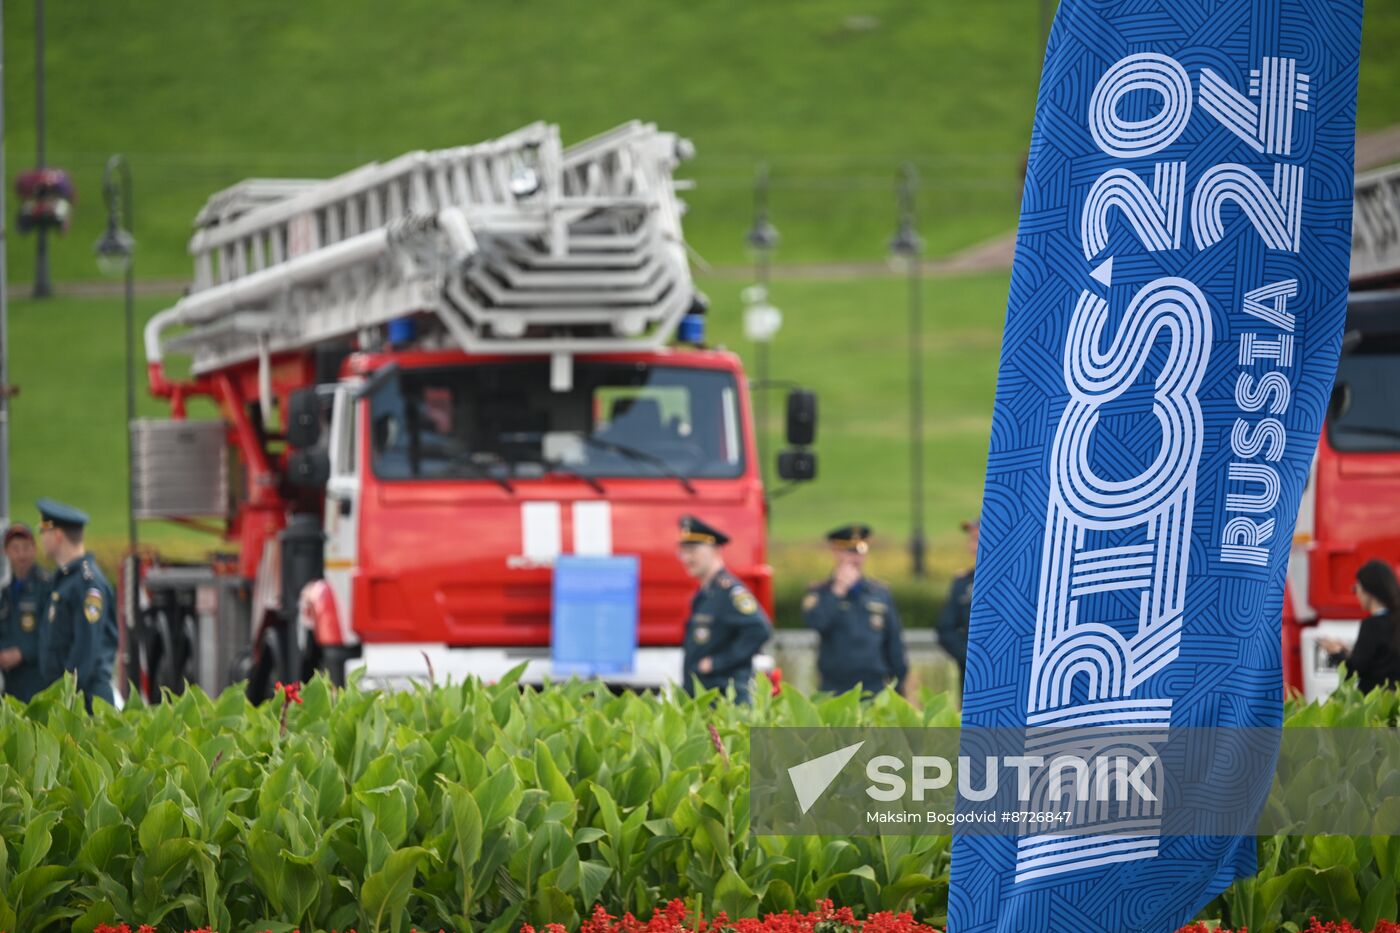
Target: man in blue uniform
[
  {"x": 80, "y": 624},
  {"x": 727, "y": 626},
  {"x": 21, "y": 602},
  {"x": 957, "y": 608},
  {"x": 862, "y": 643}
]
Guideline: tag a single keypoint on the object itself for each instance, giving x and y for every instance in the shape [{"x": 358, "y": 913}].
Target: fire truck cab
[{"x": 437, "y": 376}]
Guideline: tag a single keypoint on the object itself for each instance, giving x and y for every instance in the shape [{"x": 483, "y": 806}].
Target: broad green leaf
[
  {"x": 384, "y": 897},
  {"x": 1379, "y": 903},
  {"x": 734, "y": 896}
]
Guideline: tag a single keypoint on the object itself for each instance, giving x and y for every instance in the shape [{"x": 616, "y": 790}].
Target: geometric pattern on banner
[{"x": 1172, "y": 332}]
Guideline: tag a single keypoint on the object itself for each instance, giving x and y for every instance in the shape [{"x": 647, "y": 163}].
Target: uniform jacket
[
  {"x": 953, "y": 623},
  {"x": 80, "y": 628},
  {"x": 22, "y": 603},
  {"x": 728, "y": 626},
  {"x": 862, "y": 641}
]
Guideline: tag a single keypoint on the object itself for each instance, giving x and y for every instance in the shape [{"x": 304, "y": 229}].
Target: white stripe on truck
[
  {"x": 593, "y": 529},
  {"x": 540, "y": 531}
]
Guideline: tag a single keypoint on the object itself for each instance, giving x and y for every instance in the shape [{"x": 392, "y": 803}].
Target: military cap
[
  {"x": 694, "y": 531},
  {"x": 850, "y": 538},
  {"x": 18, "y": 530},
  {"x": 59, "y": 515}
]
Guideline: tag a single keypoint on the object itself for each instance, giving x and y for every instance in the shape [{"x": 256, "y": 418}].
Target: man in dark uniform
[
  {"x": 80, "y": 624},
  {"x": 862, "y": 642},
  {"x": 727, "y": 626},
  {"x": 957, "y": 609},
  {"x": 21, "y": 602}
]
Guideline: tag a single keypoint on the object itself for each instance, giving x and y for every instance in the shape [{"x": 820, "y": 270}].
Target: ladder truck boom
[{"x": 515, "y": 246}]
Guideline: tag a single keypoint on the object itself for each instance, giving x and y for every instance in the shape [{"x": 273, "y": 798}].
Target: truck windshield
[
  {"x": 1369, "y": 419},
  {"x": 503, "y": 421}
]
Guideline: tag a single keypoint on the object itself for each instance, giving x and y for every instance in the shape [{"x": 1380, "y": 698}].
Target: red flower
[
  {"x": 776, "y": 677},
  {"x": 292, "y": 694}
]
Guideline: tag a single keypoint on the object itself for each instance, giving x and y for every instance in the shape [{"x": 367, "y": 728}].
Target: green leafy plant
[{"x": 481, "y": 807}]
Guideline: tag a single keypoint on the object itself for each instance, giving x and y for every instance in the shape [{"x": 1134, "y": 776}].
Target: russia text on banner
[{"x": 1172, "y": 334}]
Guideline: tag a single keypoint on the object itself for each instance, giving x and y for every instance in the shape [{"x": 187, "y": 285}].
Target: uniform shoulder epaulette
[
  {"x": 87, "y": 571},
  {"x": 726, "y": 581}
]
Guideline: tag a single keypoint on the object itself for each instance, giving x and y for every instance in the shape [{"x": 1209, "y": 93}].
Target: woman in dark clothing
[{"x": 1375, "y": 658}]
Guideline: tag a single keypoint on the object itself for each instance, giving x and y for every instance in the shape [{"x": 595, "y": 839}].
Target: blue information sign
[{"x": 594, "y": 619}]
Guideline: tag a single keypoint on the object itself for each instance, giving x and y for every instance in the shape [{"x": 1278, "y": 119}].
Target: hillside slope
[{"x": 833, "y": 93}]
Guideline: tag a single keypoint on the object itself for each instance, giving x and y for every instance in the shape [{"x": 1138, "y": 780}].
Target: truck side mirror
[
  {"x": 801, "y": 417},
  {"x": 304, "y": 419},
  {"x": 309, "y": 469},
  {"x": 797, "y": 466}
]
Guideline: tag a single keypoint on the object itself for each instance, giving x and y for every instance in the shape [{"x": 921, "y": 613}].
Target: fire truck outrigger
[{"x": 435, "y": 376}]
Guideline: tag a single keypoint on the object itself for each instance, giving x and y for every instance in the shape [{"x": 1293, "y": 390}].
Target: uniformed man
[
  {"x": 20, "y": 604},
  {"x": 727, "y": 626},
  {"x": 957, "y": 609},
  {"x": 80, "y": 624},
  {"x": 862, "y": 643}
]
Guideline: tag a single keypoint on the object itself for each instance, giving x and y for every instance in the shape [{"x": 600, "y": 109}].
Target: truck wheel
[
  {"x": 332, "y": 663},
  {"x": 166, "y": 657},
  {"x": 268, "y": 667}
]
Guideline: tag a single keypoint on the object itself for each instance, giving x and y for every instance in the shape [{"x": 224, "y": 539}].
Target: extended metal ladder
[{"x": 515, "y": 245}]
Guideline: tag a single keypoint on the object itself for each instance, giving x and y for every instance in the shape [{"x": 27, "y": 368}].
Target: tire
[
  {"x": 163, "y": 657},
  {"x": 332, "y": 664},
  {"x": 269, "y": 663}
]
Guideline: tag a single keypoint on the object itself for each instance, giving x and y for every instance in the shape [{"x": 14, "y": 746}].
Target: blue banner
[{"x": 1172, "y": 334}]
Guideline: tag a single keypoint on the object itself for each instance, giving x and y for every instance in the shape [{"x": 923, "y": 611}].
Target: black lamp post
[
  {"x": 906, "y": 247},
  {"x": 115, "y": 250},
  {"x": 761, "y": 240},
  {"x": 43, "y": 287}
]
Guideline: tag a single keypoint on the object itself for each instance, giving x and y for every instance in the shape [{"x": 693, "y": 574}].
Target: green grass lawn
[
  {"x": 834, "y": 94},
  {"x": 66, "y": 439},
  {"x": 848, "y": 341}
]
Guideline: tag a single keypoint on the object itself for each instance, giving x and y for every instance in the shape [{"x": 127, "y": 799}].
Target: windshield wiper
[
  {"x": 631, "y": 453},
  {"x": 478, "y": 470},
  {"x": 641, "y": 456},
  {"x": 558, "y": 466}
]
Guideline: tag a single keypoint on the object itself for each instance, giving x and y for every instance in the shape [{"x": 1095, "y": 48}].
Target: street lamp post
[
  {"x": 43, "y": 287},
  {"x": 115, "y": 251},
  {"x": 907, "y": 248},
  {"x": 761, "y": 319}
]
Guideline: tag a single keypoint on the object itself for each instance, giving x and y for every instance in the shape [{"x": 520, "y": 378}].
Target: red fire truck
[
  {"x": 435, "y": 376},
  {"x": 1351, "y": 506}
]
